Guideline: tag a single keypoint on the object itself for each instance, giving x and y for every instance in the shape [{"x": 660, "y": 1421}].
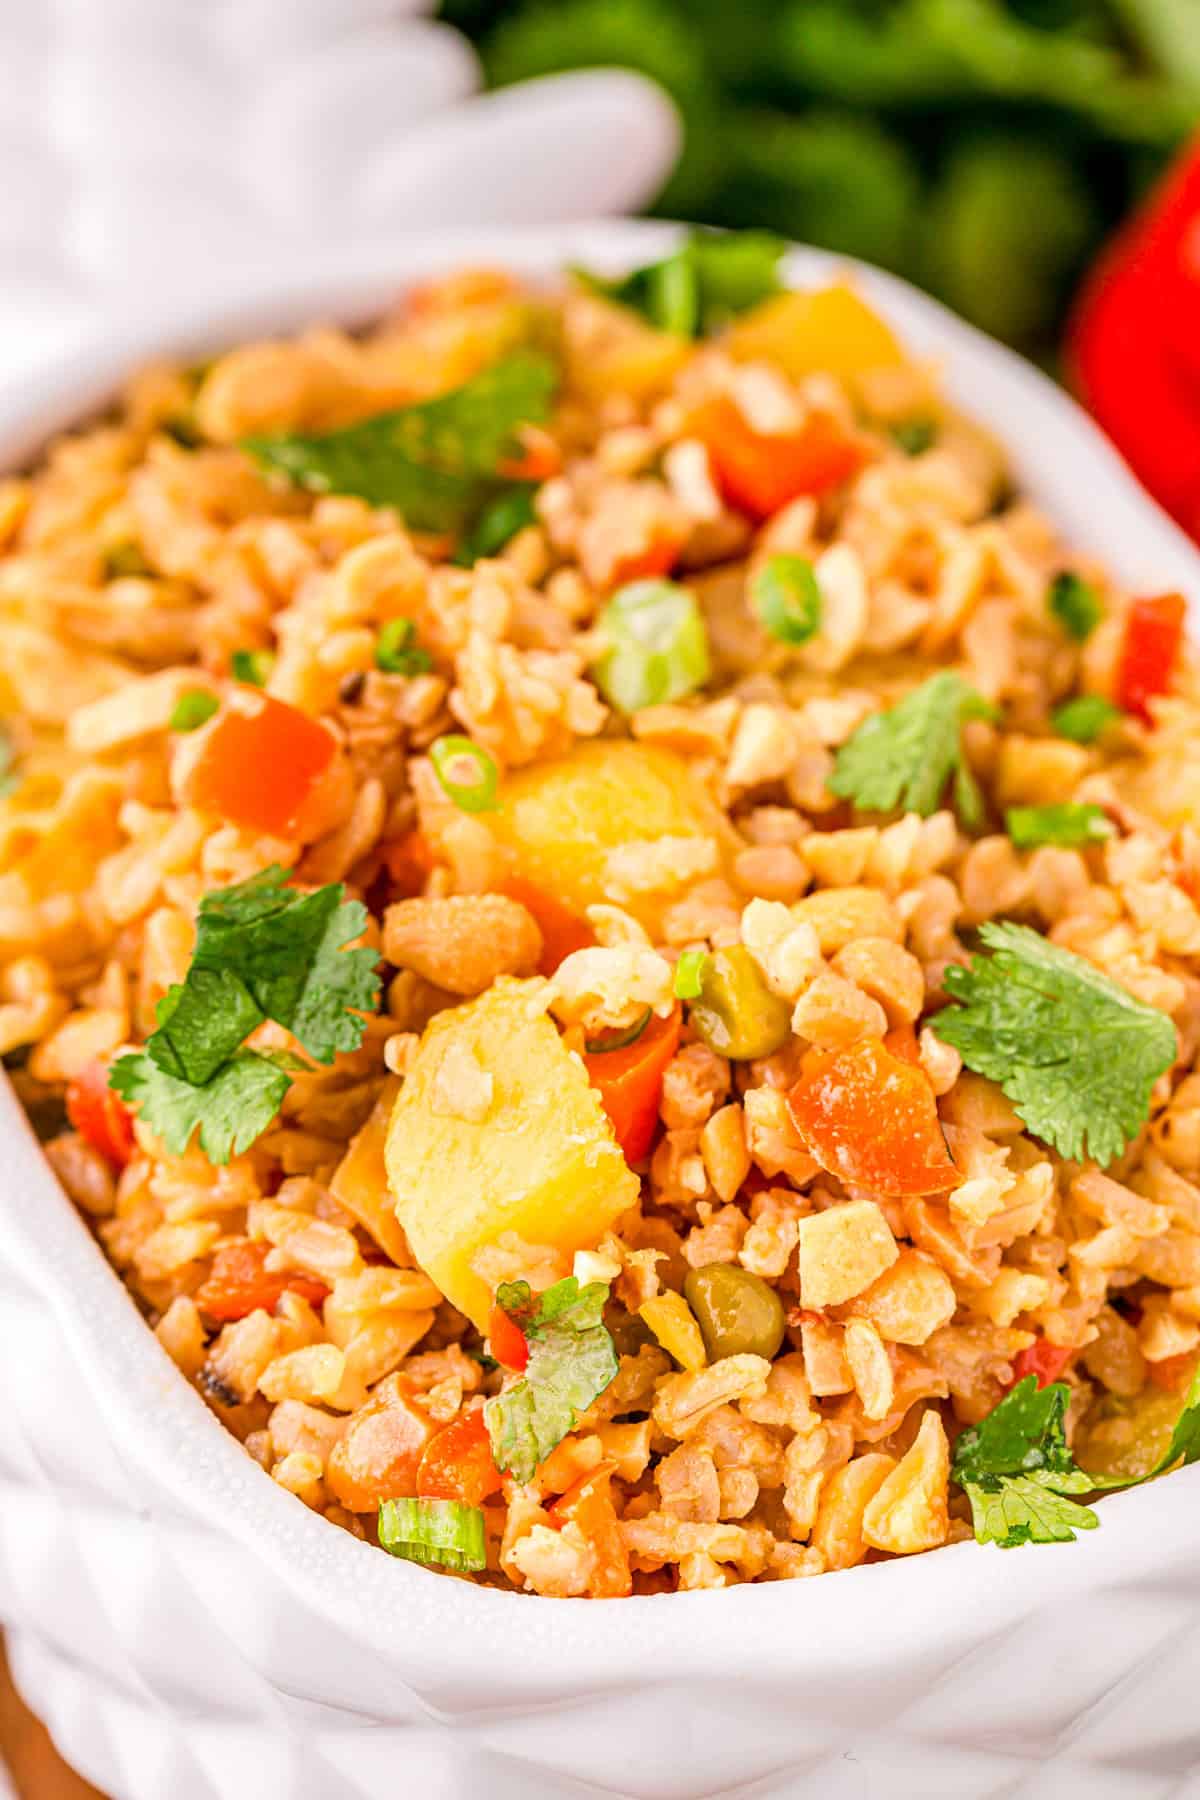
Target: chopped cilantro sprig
[
  {"x": 1020, "y": 1477},
  {"x": 571, "y": 1362},
  {"x": 1076, "y": 1054},
  {"x": 702, "y": 285},
  {"x": 906, "y": 756},
  {"x": 264, "y": 950},
  {"x": 437, "y": 463},
  {"x": 1017, "y": 1471}
]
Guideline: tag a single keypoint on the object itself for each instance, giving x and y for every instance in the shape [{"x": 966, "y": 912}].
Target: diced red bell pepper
[
  {"x": 100, "y": 1115},
  {"x": 259, "y": 764},
  {"x": 629, "y": 1082},
  {"x": 590, "y": 1505},
  {"x": 457, "y": 1463},
  {"x": 759, "y": 471},
  {"x": 240, "y": 1283},
  {"x": 1043, "y": 1359},
  {"x": 871, "y": 1119},
  {"x": 563, "y": 931},
  {"x": 509, "y": 1344},
  {"x": 1153, "y": 639}
]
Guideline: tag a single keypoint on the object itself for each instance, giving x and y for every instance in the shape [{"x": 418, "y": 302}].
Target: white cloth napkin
[{"x": 153, "y": 146}]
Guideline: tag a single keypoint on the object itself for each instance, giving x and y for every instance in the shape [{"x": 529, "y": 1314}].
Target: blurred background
[{"x": 983, "y": 148}]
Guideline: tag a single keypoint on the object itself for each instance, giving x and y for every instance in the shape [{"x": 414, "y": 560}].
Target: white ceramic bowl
[{"x": 191, "y": 1632}]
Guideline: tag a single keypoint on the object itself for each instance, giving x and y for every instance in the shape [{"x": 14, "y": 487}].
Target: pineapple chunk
[
  {"x": 608, "y": 350},
  {"x": 360, "y": 1181},
  {"x": 829, "y": 329},
  {"x": 560, "y": 820},
  {"x": 530, "y": 1150}
]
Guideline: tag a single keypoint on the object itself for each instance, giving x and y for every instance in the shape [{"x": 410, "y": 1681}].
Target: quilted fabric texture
[{"x": 187, "y": 1629}]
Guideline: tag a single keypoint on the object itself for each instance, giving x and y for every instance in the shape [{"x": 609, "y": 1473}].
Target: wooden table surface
[{"x": 36, "y": 1769}]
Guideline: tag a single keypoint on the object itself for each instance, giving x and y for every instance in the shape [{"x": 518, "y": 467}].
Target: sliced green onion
[
  {"x": 397, "y": 651},
  {"x": 657, "y": 647},
  {"x": 193, "y": 708},
  {"x": 1075, "y": 604},
  {"x": 444, "y": 1533},
  {"x": 618, "y": 1040},
  {"x": 499, "y": 522},
  {"x": 252, "y": 666},
  {"x": 787, "y": 598},
  {"x": 689, "y": 974},
  {"x": 1085, "y": 718},
  {"x": 468, "y": 775},
  {"x": 1073, "y": 827},
  {"x": 125, "y": 559},
  {"x": 914, "y": 436}
]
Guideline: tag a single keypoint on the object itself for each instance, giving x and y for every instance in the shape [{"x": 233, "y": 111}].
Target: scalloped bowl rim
[{"x": 405, "y": 1613}]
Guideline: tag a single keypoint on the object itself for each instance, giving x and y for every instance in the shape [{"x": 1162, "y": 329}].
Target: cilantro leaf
[
  {"x": 905, "y": 757},
  {"x": 437, "y": 462},
  {"x": 1068, "y": 825},
  {"x": 702, "y": 285},
  {"x": 267, "y": 951},
  {"x": 1017, "y": 1471},
  {"x": 229, "y": 1110},
  {"x": 1076, "y": 1054},
  {"x": 571, "y": 1362},
  {"x": 1021, "y": 1510}
]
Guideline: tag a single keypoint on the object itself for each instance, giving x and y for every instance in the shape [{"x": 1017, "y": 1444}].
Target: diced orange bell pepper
[
  {"x": 759, "y": 472},
  {"x": 871, "y": 1119},
  {"x": 563, "y": 931},
  {"x": 100, "y": 1115},
  {"x": 1153, "y": 639},
  {"x": 1043, "y": 1359},
  {"x": 240, "y": 1283},
  {"x": 457, "y": 1463},
  {"x": 590, "y": 1505},
  {"x": 409, "y": 861},
  {"x": 509, "y": 1344},
  {"x": 658, "y": 558},
  {"x": 539, "y": 458},
  {"x": 259, "y": 764},
  {"x": 380, "y": 1454},
  {"x": 629, "y": 1082}
]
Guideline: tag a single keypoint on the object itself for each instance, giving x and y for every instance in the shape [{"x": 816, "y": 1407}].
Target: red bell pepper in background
[
  {"x": 1153, "y": 638},
  {"x": 99, "y": 1115},
  {"x": 1133, "y": 347}
]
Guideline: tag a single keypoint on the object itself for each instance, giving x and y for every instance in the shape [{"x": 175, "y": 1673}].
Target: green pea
[
  {"x": 736, "y": 1013},
  {"x": 736, "y": 1311}
]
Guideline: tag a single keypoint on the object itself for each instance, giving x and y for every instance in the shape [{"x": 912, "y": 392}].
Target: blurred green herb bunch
[{"x": 981, "y": 147}]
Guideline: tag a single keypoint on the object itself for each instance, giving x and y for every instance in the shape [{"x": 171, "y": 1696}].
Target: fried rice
[{"x": 801, "y": 1325}]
